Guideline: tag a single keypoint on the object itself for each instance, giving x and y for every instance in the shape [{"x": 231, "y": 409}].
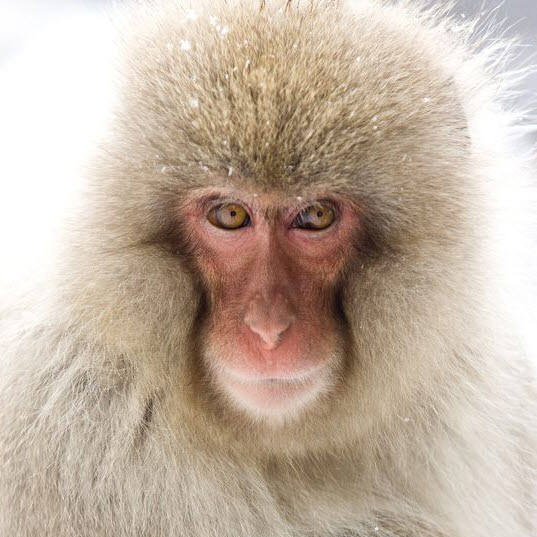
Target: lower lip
[{"x": 274, "y": 397}]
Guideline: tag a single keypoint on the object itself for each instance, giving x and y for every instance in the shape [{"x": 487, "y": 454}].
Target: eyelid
[
  {"x": 306, "y": 204},
  {"x": 212, "y": 202},
  {"x": 312, "y": 203}
]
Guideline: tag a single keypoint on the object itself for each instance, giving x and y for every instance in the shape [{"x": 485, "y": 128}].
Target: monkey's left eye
[
  {"x": 229, "y": 216},
  {"x": 316, "y": 217}
]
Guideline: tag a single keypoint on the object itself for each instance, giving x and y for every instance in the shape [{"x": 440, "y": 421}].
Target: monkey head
[{"x": 279, "y": 192}]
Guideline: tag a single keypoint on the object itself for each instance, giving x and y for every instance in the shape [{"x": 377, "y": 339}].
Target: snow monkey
[{"x": 283, "y": 307}]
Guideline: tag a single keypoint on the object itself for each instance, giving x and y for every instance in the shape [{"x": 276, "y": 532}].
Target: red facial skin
[{"x": 273, "y": 339}]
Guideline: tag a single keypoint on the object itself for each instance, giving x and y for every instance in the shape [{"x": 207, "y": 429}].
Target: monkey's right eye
[{"x": 229, "y": 216}]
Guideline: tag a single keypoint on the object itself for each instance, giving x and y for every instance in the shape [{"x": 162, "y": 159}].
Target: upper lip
[{"x": 261, "y": 378}]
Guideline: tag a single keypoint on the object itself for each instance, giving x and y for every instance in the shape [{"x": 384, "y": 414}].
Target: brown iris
[
  {"x": 316, "y": 217},
  {"x": 229, "y": 216}
]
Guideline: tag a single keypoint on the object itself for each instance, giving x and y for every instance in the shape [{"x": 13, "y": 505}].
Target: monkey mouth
[
  {"x": 294, "y": 378},
  {"x": 274, "y": 396}
]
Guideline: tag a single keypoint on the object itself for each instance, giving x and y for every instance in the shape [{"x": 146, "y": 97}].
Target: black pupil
[
  {"x": 320, "y": 214},
  {"x": 233, "y": 213}
]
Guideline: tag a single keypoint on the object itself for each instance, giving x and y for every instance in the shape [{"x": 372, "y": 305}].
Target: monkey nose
[
  {"x": 270, "y": 335},
  {"x": 268, "y": 325}
]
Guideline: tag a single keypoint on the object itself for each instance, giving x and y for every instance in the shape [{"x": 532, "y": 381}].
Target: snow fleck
[
  {"x": 358, "y": 59},
  {"x": 229, "y": 171},
  {"x": 245, "y": 43},
  {"x": 463, "y": 15},
  {"x": 376, "y": 528},
  {"x": 186, "y": 45},
  {"x": 169, "y": 46},
  {"x": 406, "y": 420},
  {"x": 224, "y": 31},
  {"x": 164, "y": 169},
  {"x": 426, "y": 99},
  {"x": 299, "y": 198},
  {"x": 375, "y": 127},
  {"x": 247, "y": 63},
  {"x": 194, "y": 102},
  {"x": 375, "y": 119},
  {"x": 204, "y": 168},
  {"x": 213, "y": 21}
]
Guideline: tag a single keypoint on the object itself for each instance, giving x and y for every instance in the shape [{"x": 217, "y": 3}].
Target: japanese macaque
[{"x": 286, "y": 306}]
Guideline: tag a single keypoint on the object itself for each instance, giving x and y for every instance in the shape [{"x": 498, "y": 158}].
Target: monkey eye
[
  {"x": 315, "y": 217},
  {"x": 229, "y": 216}
]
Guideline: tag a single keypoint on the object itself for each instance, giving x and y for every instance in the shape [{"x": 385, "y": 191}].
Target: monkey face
[
  {"x": 271, "y": 266},
  {"x": 306, "y": 198}
]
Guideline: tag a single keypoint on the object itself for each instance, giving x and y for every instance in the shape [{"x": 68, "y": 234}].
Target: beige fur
[{"x": 107, "y": 426}]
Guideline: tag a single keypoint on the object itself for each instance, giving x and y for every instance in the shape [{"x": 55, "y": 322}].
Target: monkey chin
[{"x": 274, "y": 400}]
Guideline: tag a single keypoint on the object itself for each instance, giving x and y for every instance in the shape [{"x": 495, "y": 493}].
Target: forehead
[{"x": 282, "y": 100}]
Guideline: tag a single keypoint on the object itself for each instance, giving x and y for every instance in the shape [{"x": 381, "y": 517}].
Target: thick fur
[{"x": 107, "y": 425}]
